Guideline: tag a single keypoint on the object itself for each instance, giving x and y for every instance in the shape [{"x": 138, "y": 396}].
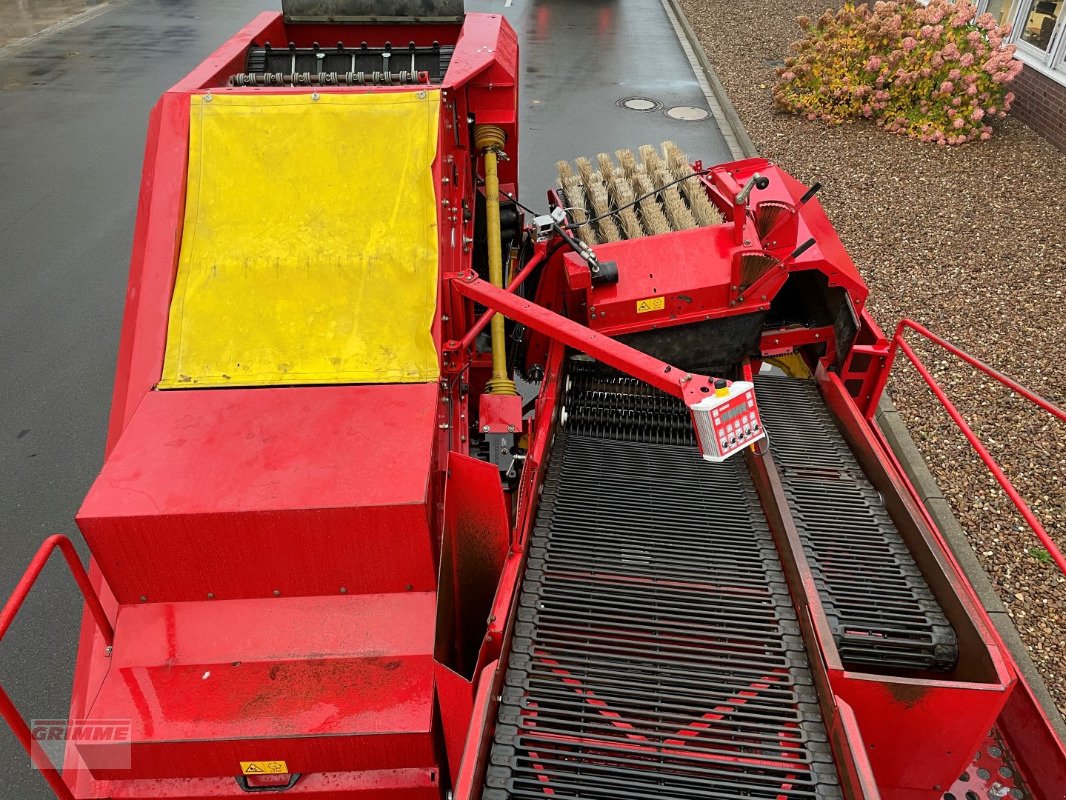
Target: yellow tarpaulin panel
[{"x": 309, "y": 251}]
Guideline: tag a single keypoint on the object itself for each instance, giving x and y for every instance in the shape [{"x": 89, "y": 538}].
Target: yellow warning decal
[
  {"x": 263, "y": 767},
  {"x": 651, "y": 304}
]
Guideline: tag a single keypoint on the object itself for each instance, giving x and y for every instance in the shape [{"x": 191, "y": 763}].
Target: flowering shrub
[{"x": 938, "y": 73}]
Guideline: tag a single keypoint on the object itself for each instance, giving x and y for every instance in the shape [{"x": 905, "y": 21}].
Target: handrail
[
  {"x": 899, "y": 344},
  {"x": 8, "y": 710}
]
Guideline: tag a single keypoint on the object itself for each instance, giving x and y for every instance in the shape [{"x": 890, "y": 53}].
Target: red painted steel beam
[
  {"x": 1011, "y": 384},
  {"x": 486, "y": 318},
  {"x": 982, "y": 451},
  {"x": 10, "y": 610},
  {"x": 686, "y": 386},
  {"x": 18, "y": 597}
]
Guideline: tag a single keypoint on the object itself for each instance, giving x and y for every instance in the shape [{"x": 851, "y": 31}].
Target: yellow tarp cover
[{"x": 309, "y": 251}]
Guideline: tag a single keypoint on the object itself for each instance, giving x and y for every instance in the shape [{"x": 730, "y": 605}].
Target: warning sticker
[
  {"x": 263, "y": 767},
  {"x": 651, "y": 304}
]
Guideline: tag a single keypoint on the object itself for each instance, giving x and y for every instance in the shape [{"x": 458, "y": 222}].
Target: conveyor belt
[
  {"x": 656, "y": 652},
  {"x": 879, "y": 606}
]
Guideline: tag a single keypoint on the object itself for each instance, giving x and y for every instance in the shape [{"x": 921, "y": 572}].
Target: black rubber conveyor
[{"x": 656, "y": 652}]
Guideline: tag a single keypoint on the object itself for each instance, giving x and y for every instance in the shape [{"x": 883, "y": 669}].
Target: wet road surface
[
  {"x": 73, "y": 111},
  {"x": 21, "y": 18}
]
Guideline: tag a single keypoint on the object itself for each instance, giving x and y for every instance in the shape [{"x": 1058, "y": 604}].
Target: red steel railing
[
  {"x": 8, "y": 710},
  {"x": 898, "y": 344}
]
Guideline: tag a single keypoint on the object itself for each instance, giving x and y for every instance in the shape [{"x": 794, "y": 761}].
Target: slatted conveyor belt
[
  {"x": 656, "y": 652},
  {"x": 879, "y": 606}
]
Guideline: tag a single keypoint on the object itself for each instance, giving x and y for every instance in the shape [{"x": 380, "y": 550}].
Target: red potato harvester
[{"x": 338, "y": 553}]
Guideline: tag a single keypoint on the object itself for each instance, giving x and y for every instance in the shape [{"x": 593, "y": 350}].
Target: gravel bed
[{"x": 970, "y": 241}]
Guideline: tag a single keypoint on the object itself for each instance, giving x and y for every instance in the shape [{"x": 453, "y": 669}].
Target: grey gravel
[{"x": 970, "y": 241}]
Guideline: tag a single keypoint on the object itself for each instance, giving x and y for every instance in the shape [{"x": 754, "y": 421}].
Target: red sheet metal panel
[
  {"x": 383, "y": 784},
  {"x": 324, "y": 684},
  {"x": 247, "y": 493},
  {"x": 659, "y": 281}
]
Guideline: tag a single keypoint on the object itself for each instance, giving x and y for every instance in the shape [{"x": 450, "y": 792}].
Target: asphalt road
[{"x": 73, "y": 110}]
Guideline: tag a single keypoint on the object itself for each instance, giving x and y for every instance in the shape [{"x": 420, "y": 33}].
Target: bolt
[
  {"x": 277, "y": 593},
  {"x": 108, "y": 650},
  {"x": 485, "y": 429},
  {"x": 510, "y": 428},
  {"x": 144, "y": 599},
  {"x": 344, "y": 590},
  {"x": 422, "y": 95},
  {"x": 208, "y": 98},
  {"x": 210, "y": 595},
  {"x": 314, "y": 95}
]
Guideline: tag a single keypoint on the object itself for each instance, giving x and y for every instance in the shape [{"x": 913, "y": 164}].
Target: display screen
[{"x": 734, "y": 412}]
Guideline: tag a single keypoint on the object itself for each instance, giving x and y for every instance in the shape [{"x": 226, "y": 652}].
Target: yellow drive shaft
[{"x": 489, "y": 140}]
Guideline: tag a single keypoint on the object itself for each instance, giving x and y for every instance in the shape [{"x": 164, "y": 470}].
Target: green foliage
[
  {"x": 1040, "y": 554},
  {"x": 937, "y": 73}
]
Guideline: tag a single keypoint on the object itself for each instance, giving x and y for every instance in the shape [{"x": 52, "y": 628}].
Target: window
[
  {"x": 1037, "y": 24},
  {"x": 1038, "y": 28},
  {"x": 1000, "y": 9}
]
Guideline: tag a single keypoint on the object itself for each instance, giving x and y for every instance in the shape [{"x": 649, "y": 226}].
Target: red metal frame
[
  {"x": 316, "y": 535},
  {"x": 899, "y": 344},
  {"x": 683, "y": 385},
  {"x": 8, "y": 710}
]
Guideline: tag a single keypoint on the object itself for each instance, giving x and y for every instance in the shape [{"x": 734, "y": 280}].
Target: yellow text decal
[
  {"x": 651, "y": 304},
  {"x": 263, "y": 767}
]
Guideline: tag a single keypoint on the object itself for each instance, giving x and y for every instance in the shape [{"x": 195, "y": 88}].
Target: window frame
[{"x": 1051, "y": 63}]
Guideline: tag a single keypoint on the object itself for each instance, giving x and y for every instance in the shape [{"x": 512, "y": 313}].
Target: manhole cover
[
  {"x": 640, "y": 104},
  {"x": 688, "y": 113}
]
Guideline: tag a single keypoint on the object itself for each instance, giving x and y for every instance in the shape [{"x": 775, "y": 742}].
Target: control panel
[{"x": 727, "y": 421}]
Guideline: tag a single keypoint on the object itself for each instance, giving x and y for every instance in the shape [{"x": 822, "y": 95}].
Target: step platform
[{"x": 324, "y": 684}]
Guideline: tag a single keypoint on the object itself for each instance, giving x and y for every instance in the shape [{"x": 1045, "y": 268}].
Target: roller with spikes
[{"x": 634, "y": 197}]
